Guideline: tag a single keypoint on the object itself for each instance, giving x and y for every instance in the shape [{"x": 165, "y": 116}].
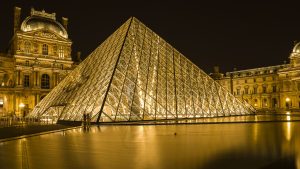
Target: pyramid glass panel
[{"x": 134, "y": 75}]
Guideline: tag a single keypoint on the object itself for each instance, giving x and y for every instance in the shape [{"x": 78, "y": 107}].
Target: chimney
[
  {"x": 17, "y": 15},
  {"x": 216, "y": 69},
  {"x": 79, "y": 56},
  {"x": 65, "y": 22}
]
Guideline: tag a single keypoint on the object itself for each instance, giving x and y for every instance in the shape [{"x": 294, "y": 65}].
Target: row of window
[
  {"x": 255, "y": 91},
  {"x": 254, "y": 80},
  {"x": 45, "y": 49},
  {"x": 45, "y": 81},
  {"x": 37, "y": 63},
  {"x": 270, "y": 71}
]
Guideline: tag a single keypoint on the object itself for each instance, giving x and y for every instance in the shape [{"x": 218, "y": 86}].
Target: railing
[{"x": 19, "y": 122}]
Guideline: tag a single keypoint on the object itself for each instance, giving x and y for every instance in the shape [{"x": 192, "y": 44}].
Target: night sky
[{"x": 230, "y": 34}]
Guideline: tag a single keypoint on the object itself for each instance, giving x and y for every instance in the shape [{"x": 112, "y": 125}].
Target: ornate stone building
[
  {"x": 273, "y": 88},
  {"x": 38, "y": 58}
]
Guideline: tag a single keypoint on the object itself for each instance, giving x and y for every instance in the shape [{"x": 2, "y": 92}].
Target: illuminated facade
[
  {"x": 135, "y": 75},
  {"x": 38, "y": 58},
  {"x": 273, "y": 88}
]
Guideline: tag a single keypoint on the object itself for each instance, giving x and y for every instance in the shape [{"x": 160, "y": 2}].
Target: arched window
[
  {"x": 254, "y": 90},
  {"x": 265, "y": 104},
  {"x": 45, "y": 81},
  {"x": 61, "y": 53},
  {"x": 255, "y": 102},
  {"x": 27, "y": 47},
  {"x": 45, "y": 49}
]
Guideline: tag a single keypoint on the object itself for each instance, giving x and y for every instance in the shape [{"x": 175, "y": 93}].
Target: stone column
[
  {"x": 52, "y": 80},
  {"x": 34, "y": 78},
  {"x": 21, "y": 78},
  {"x": 37, "y": 99},
  {"x": 55, "y": 79},
  {"x": 38, "y": 79},
  {"x": 18, "y": 78}
]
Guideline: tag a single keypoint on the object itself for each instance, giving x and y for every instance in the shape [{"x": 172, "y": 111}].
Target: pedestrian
[
  {"x": 84, "y": 119},
  {"x": 88, "y": 117}
]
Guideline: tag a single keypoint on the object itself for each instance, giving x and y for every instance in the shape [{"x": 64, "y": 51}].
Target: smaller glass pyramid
[{"x": 135, "y": 75}]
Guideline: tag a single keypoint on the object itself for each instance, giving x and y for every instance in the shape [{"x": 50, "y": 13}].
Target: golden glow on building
[
  {"x": 273, "y": 88},
  {"x": 38, "y": 58}
]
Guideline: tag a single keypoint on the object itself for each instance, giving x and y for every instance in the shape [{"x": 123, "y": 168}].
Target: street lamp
[
  {"x": 287, "y": 102},
  {"x": 22, "y": 105}
]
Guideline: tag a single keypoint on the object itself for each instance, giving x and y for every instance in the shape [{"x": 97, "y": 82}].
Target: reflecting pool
[{"x": 196, "y": 146}]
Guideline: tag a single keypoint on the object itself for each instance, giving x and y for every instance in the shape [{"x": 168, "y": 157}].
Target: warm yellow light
[
  {"x": 287, "y": 99},
  {"x": 21, "y": 105},
  {"x": 255, "y": 104}
]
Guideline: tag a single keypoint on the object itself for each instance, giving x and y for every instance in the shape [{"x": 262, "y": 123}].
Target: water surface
[{"x": 195, "y": 146}]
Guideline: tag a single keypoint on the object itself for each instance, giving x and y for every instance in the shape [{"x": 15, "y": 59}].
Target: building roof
[
  {"x": 296, "y": 48},
  {"x": 41, "y": 20}
]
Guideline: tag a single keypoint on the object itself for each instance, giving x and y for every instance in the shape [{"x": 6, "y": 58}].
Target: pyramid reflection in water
[{"x": 135, "y": 75}]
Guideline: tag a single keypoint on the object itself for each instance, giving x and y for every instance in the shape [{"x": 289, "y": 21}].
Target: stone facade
[
  {"x": 273, "y": 88},
  {"x": 38, "y": 58}
]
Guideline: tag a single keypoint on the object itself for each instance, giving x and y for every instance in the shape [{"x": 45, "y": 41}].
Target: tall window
[
  {"x": 27, "y": 47},
  {"x": 45, "y": 49},
  {"x": 61, "y": 53},
  {"x": 255, "y": 102},
  {"x": 274, "y": 89},
  {"x": 238, "y": 91},
  {"x": 26, "y": 81},
  {"x": 45, "y": 81},
  {"x": 35, "y": 48},
  {"x": 54, "y": 50},
  {"x": 246, "y": 90},
  {"x": 264, "y": 89},
  {"x": 255, "y": 90},
  {"x": 265, "y": 104}
]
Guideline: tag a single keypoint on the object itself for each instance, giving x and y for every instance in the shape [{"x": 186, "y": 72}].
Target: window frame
[
  {"x": 45, "y": 81},
  {"x": 45, "y": 49},
  {"x": 26, "y": 81}
]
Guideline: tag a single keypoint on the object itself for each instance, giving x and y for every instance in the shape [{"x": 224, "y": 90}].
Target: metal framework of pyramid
[{"x": 135, "y": 75}]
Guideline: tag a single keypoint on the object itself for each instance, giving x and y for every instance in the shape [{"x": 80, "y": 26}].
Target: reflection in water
[{"x": 241, "y": 145}]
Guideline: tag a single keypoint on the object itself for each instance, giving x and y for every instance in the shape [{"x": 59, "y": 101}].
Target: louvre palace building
[
  {"x": 273, "y": 88},
  {"x": 37, "y": 59}
]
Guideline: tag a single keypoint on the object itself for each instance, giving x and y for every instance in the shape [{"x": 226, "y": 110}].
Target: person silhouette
[
  {"x": 88, "y": 117},
  {"x": 84, "y": 119}
]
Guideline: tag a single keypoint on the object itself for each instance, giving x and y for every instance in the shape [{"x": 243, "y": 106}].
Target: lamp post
[
  {"x": 22, "y": 105},
  {"x": 287, "y": 102}
]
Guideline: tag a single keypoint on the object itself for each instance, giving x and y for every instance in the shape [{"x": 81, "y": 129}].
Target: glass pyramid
[{"x": 135, "y": 75}]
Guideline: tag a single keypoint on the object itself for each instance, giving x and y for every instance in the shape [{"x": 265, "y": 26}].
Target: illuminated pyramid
[{"x": 135, "y": 75}]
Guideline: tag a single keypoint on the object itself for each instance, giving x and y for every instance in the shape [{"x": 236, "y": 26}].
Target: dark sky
[{"x": 240, "y": 34}]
